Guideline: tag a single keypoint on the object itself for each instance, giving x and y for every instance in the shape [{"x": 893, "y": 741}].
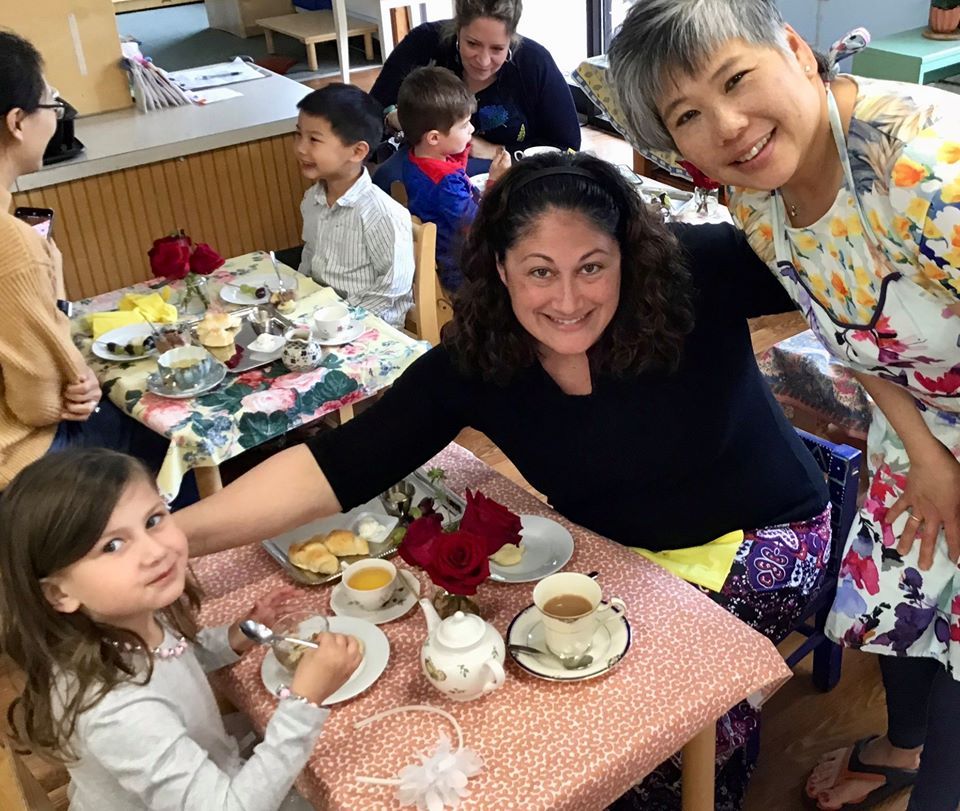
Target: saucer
[
  {"x": 214, "y": 379},
  {"x": 610, "y": 644},
  {"x": 376, "y": 652},
  {"x": 547, "y": 546},
  {"x": 402, "y": 600},
  {"x": 353, "y": 331}
]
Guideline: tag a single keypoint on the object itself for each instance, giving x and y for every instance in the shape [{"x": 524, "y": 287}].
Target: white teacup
[
  {"x": 571, "y": 607},
  {"x": 530, "y": 151},
  {"x": 370, "y": 583},
  {"x": 331, "y": 320}
]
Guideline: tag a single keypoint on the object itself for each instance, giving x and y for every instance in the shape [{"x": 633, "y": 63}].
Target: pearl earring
[{"x": 806, "y": 68}]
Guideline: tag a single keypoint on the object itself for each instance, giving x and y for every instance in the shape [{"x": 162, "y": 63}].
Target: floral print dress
[{"x": 878, "y": 280}]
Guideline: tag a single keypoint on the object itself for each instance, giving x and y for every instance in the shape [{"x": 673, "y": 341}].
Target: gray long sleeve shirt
[{"x": 162, "y": 745}]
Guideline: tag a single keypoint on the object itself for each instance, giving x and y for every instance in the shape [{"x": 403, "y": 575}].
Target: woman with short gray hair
[{"x": 849, "y": 189}]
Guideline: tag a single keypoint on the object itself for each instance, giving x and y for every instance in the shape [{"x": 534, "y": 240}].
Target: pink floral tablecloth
[
  {"x": 250, "y": 408},
  {"x": 545, "y": 745}
]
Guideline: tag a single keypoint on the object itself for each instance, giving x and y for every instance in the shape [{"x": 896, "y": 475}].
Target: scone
[
  {"x": 313, "y": 556},
  {"x": 342, "y": 542},
  {"x": 508, "y": 555}
]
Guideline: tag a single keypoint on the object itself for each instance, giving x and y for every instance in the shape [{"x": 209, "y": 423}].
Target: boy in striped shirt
[{"x": 357, "y": 239}]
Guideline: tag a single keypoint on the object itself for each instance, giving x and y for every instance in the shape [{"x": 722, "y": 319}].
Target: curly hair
[{"x": 655, "y": 310}]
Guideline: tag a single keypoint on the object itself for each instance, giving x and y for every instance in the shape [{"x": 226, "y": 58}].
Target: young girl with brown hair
[{"x": 96, "y": 607}]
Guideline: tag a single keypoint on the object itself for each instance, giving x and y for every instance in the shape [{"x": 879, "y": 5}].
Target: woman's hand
[
  {"x": 81, "y": 397},
  {"x": 500, "y": 164},
  {"x": 325, "y": 669},
  {"x": 479, "y": 148},
  {"x": 932, "y": 499},
  {"x": 268, "y": 609}
]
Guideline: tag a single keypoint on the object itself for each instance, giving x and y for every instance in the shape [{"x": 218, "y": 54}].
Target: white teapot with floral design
[{"x": 463, "y": 654}]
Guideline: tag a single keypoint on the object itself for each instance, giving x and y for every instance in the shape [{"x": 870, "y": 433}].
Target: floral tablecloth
[
  {"x": 545, "y": 745},
  {"x": 801, "y": 372},
  {"x": 250, "y": 408}
]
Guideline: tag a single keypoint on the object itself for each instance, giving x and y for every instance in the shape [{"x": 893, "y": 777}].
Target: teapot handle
[{"x": 499, "y": 676}]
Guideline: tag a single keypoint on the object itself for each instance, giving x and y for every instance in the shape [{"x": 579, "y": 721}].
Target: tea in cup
[
  {"x": 530, "y": 151},
  {"x": 184, "y": 367},
  {"x": 331, "y": 320},
  {"x": 572, "y": 611},
  {"x": 370, "y": 583}
]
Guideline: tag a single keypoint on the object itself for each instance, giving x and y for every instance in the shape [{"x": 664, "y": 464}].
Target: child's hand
[
  {"x": 500, "y": 163},
  {"x": 268, "y": 609},
  {"x": 322, "y": 671}
]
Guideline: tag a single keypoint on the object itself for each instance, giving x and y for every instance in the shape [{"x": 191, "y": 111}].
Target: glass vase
[
  {"x": 447, "y": 604},
  {"x": 194, "y": 299}
]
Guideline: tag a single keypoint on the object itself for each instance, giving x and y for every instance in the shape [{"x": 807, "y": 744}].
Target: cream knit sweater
[{"x": 37, "y": 357}]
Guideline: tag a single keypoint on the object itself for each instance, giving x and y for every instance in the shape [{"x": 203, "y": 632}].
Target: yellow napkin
[
  {"x": 134, "y": 309},
  {"x": 707, "y": 565},
  {"x": 153, "y": 305}
]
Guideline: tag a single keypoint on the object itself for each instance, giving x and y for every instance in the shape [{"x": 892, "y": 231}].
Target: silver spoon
[
  {"x": 568, "y": 662},
  {"x": 263, "y": 635}
]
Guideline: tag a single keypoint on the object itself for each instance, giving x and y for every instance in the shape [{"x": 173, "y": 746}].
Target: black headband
[{"x": 537, "y": 174}]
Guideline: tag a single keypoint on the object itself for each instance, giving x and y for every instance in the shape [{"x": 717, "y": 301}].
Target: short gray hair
[{"x": 660, "y": 37}]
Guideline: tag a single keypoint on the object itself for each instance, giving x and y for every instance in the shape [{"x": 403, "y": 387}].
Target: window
[{"x": 560, "y": 26}]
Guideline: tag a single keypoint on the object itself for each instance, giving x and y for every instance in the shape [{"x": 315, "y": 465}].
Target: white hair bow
[{"x": 439, "y": 780}]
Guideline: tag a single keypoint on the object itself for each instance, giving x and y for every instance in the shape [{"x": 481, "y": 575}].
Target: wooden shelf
[{"x": 120, "y": 6}]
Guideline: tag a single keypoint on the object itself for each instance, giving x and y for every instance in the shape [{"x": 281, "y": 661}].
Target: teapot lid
[{"x": 461, "y": 630}]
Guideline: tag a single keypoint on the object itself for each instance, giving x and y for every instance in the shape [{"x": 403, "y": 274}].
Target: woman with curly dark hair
[{"x": 609, "y": 357}]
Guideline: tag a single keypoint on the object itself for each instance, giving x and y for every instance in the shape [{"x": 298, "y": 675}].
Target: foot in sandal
[{"x": 862, "y": 775}]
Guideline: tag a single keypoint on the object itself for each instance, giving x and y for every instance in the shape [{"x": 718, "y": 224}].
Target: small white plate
[
  {"x": 376, "y": 653},
  {"x": 402, "y": 600},
  {"x": 610, "y": 644},
  {"x": 155, "y": 385},
  {"x": 122, "y": 335},
  {"x": 547, "y": 546},
  {"x": 351, "y": 333},
  {"x": 231, "y": 292}
]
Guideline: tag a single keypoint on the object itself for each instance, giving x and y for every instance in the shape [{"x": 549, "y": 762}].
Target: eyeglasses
[{"x": 58, "y": 105}]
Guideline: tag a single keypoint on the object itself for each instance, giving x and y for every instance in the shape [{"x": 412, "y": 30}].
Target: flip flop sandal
[{"x": 890, "y": 780}]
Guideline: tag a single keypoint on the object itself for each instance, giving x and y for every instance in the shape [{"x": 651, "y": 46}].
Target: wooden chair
[
  {"x": 424, "y": 320},
  {"x": 19, "y": 789},
  {"x": 841, "y": 465}
]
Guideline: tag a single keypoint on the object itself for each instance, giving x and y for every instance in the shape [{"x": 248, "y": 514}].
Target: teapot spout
[{"x": 430, "y": 614}]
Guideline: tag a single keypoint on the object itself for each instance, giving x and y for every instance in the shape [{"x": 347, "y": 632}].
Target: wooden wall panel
[{"x": 237, "y": 199}]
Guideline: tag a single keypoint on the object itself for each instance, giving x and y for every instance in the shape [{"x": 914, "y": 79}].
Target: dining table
[
  {"x": 545, "y": 745},
  {"x": 254, "y": 406}
]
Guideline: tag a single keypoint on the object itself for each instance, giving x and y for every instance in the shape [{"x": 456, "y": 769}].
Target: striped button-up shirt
[{"x": 361, "y": 246}]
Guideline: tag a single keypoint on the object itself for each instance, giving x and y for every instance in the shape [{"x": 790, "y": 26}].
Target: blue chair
[{"x": 841, "y": 465}]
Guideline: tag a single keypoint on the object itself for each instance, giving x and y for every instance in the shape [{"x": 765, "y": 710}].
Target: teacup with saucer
[{"x": 404, "y": 597}]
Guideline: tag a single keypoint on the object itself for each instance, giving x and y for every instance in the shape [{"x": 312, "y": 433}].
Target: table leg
[
  {"x": 208, "y": 480},
  {"x": 346, "y": 413},
  {"x": 368, "y": 46},
  {"x": 699, "y": 756},
  {"x": 386, "y": 32},
  {"x": 312, "y": 56},
  {"x": 268, "y": 37},
  {"x": 343, "y": 49}
]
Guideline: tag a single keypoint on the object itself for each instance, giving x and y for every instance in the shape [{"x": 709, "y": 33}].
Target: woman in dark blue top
[
  {"x": 610, "y": 359},
  {"x": 522, "y": 98}
]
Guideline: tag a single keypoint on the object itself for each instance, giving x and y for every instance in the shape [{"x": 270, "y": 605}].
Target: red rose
[
  {"x": 417, "y": 545},
  {"x": 170, "y": 257},
  {"x": 491, "y": 521},
  {"x": 459, "y": 563},
  {"x": 700, "y": 180},
  {"x": 204, "y": 259}
]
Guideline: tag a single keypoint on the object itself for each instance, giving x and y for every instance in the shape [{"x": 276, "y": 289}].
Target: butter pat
[{"x": 508, "y": 555}]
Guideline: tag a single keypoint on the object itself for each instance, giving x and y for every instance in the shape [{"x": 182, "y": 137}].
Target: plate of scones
[{"x": 316, "y": 553}]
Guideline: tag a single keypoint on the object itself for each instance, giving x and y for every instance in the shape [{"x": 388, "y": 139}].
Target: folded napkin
[
  {"x": 707, "y": 565},
  {"x": 134, "y": 309}
]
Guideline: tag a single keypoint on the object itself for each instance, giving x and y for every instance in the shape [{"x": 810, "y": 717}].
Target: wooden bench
[
  {"x": 909, "y": 57},
  {"x": 311, "y": 27}
]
